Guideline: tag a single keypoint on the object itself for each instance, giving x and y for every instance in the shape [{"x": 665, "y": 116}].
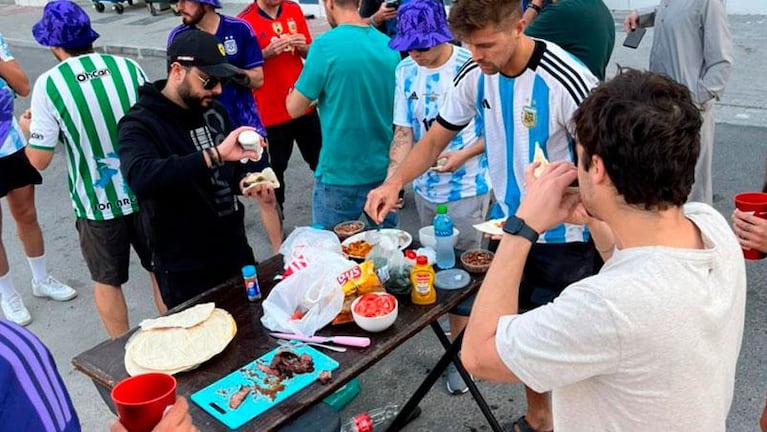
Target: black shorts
[
  {"x": 549, "y": 269},
  {"x": 16, "y": 172},
  {"x": 106, "y": 247}
]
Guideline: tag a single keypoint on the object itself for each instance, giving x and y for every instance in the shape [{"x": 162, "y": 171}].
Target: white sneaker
[
  {"x": 14, "y": 309},
  {"x": 53, "y": 289}
]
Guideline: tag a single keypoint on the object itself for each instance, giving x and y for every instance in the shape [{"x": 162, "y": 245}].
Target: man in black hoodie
[{"x": 181, "y": 160}]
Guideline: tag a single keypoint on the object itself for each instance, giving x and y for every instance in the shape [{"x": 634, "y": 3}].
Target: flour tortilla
[
  {"x": 492, "y": 227},
  {"x": 171, "y": 349},
  {"x": 266, "y": 177},
  {"x": 539, "y": 157},
  {"x": 133, "y": 369},
  {"x": 184, "y": 319}
]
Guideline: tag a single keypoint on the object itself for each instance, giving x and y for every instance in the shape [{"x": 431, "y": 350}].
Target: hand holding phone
[
  {"x": 392, "y": 4},
  {"x": 634, "y": 37}
]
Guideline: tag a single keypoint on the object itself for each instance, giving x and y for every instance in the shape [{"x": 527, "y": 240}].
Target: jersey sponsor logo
[
  {"x": 413, "y": 96},
  {"x": 230, "y": 46},
  {"x": 529, "y": 116},
  {"x": 87, "y": 76},
  {"x": 117, "y": 204},
  {"x": 485, "y": 104},
  {"x": 36, "y": 136}
]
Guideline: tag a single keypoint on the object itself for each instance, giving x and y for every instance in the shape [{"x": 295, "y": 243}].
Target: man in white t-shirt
[{"x": 652, "y": 341}]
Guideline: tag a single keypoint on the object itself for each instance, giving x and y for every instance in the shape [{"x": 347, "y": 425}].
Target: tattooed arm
[{"x": 400, "y": 147}]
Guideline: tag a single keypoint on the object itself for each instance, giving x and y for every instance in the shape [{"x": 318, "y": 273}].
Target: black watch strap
[
  {"x": 517, "y": 226},
  {"x": 534, "y": 7}
]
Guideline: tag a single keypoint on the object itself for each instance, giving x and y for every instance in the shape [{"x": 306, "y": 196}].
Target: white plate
[{"x": 404, "y": 239}]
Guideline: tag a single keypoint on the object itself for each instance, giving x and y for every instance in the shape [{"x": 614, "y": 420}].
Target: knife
[{"x": 355, "y": 341}]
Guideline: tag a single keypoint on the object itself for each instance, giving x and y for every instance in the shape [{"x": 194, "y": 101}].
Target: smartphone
[
  {"x": 633, "y": 38},
  {"x": 392, "y": 4}
]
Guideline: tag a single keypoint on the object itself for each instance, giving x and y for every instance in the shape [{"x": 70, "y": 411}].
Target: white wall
[{"x": 733, "y": 6}]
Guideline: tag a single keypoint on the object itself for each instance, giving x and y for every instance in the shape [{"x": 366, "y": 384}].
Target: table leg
[
  {"x": 451, "y": 354},
  {"x": 473, "y": 389}
]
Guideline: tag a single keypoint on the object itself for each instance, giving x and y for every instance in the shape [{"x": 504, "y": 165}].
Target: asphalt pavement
[{"x": 73, "y": 327}]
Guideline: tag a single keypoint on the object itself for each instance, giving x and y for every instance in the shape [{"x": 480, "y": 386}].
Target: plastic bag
[
  {"x": 393, "y": 269},
  {"x": 311, "y": 297},
  {"x": 306, "y": 237}
]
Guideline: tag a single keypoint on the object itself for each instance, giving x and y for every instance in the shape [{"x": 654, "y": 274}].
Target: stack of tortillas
[{"x": 179, "y": 342}]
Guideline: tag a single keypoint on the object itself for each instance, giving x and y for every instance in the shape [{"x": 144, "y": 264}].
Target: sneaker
[
  {"x": 14, "y": 309},
  {"x": 53, "y": 289},
  {"x": 454, "y": 382}
]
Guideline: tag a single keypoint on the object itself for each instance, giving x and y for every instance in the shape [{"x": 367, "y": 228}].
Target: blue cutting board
[{"x": 214, "y": 398}]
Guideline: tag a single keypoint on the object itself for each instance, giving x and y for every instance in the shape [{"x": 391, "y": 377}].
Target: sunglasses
[
  {"x": 420, "y": 50},
  {"x": 208, "y": 83}
]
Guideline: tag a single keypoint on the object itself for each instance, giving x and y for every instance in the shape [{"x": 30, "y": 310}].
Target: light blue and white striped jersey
[
  {"x": 418, "y": 94},
  {"x": 11, "y": 139},
  {"x": 519, "y": 112}
]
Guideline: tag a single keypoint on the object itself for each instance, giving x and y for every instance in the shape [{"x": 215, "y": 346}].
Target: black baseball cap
[{"x": 197, "y": 48}]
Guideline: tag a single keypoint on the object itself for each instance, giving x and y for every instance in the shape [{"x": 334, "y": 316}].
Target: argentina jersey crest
[{"x": 230, "y": 46}]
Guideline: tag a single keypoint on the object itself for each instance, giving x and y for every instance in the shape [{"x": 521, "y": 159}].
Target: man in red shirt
[{"x": 283, "y": 35}]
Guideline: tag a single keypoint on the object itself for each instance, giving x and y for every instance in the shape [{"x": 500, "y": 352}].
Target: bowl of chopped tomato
[{"x": 375, "y": 312}]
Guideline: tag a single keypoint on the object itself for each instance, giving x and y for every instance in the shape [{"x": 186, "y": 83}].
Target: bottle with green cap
[{"x": 443, "y": 232}]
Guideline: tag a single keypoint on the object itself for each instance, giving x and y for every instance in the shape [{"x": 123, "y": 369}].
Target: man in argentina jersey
[
  {"x": 460, "y": 178},
  {"x": 32, "y": 394},
  {"x": 525, "y": 91},
  {"x": 80, "y": 101},
  {"x": 17, "y": 184}
]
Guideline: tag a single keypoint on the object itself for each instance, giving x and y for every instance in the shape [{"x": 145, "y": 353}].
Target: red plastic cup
[
  {"x": 755, "y": 202},
  {"x": 141, "y": 400}
]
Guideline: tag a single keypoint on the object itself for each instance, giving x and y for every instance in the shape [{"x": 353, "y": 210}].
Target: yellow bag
[{"x": 361, "y": 279}]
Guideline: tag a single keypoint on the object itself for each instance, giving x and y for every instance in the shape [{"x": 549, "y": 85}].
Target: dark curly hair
[
  {"x": 468, "y": 16},
  {"x": 646, "y": 129}
]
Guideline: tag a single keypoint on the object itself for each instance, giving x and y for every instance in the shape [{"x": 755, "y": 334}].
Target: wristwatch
[
  {"x": 534, "y": 7},
  {"x": 517, "y": 226}
]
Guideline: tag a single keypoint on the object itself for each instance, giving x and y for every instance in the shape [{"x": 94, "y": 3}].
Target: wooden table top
[{"x": 104, "y": 362}]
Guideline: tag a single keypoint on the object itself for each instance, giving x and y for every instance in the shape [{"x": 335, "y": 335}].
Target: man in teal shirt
[{"x": 349, "y": 72}]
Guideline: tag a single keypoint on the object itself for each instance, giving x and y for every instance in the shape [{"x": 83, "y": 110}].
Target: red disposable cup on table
[
  {"x": 755, "y": 202},
  {"x": 141, "y": 400}
]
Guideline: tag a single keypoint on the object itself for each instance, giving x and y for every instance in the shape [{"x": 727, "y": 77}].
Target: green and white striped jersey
[{"x": 79, "y": 103}]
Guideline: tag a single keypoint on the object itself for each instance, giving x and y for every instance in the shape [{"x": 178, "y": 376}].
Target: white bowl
[
  {"x": 427, "y": 239},
  {"x": 379, "y": 323}
]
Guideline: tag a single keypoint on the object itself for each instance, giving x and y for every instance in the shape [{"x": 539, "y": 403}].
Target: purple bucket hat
[
  {"x": 421, "y": 24},
  {"x": 214, "y": 3},
  {"x": 64, "y": 24}
]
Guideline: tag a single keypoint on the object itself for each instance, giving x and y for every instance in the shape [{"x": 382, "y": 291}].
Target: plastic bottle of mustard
[{"x": 422, "y": 278}]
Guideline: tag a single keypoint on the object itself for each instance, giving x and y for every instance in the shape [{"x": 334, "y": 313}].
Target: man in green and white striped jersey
[{"x": 80, "y": 101}]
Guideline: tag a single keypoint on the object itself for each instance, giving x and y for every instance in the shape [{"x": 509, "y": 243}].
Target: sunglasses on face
[
  {"x": 420, "y": 50},
  {"x": 208, "y": 83}
]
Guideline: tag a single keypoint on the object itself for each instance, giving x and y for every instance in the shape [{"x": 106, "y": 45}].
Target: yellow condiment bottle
[{"x": 422, "y": 278}]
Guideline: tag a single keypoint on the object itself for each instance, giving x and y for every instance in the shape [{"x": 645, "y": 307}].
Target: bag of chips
[{"x": 359, "y": 280}]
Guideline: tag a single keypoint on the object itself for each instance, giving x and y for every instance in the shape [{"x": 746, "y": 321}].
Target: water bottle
[
  {"x": 443, "y": 232},
  {"x": 373, "y": 420}
]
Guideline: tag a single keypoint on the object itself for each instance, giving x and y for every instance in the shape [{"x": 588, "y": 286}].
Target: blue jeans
[{"x": 332, "y": 204}]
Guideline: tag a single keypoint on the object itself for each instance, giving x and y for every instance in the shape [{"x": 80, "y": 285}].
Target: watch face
[{"x": 513, "y": 225}]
